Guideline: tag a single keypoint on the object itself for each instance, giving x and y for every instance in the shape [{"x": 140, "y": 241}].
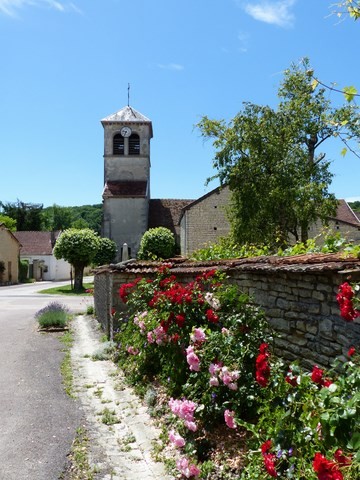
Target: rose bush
[{"x": 209, "y": 347}]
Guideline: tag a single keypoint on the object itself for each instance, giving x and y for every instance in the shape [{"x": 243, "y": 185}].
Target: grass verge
[
  {"x": 79, "y": 467},
  {"x": 66, "y": 368},
  {"x": 67, "y": 290}
]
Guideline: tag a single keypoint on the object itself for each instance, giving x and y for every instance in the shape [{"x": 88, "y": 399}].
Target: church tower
[{"x": 126, "y": 194}]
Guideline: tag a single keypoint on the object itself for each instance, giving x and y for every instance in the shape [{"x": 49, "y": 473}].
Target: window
[
  {"x": 118, "y": 144},
  {"x": 134, "y": 144}
]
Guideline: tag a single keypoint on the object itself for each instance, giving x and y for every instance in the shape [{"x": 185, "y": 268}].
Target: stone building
[
  {"x": 345, "y": 222},
  {"x": 204, "y": 220},
  {"x": 9, "y": 256},
  {"x": 128, "y": 209}
]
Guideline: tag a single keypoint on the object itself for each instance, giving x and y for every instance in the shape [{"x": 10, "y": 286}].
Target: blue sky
[{"x": 67, "y": 64}]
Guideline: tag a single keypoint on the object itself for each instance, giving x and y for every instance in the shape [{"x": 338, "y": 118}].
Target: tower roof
[{"x": 126, "y": 114}]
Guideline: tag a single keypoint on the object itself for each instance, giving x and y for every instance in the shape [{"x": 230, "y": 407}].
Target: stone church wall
[
  {"x": 299, "y": 302},
  {"x": 125, "y": 220},
  {"x": 205, "y": 222}
]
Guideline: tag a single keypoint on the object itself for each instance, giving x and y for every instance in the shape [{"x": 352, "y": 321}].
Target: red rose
[
  {"x": 351, "y": 351},
  {"x": 211, "y": 316},
  {"x": 326, "y": 469},
  {"x": 269, "y": 461},
  {"x": 262, "y": 372},
  {"x": 180, "y": 320},
  {"x": 291, "y": 379},
  {"x": 265, "y": 447},
  {"x": 264, "y": 348},
  {"x": 175, "y": 338},
  {"x": 341, "y": 458},
  {"x": 317, "y": 375}
]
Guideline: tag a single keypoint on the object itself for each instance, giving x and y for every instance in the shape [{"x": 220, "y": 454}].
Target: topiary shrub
[
  {"x": 157, "y": 243},
  {"x": 106, "y": 252}
]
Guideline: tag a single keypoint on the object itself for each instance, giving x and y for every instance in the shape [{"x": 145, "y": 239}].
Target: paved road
[{"x": 37, "y": 419}]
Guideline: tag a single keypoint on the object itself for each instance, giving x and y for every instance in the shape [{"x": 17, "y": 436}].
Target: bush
[
  {"x": 106, "y": 252},
  {"x": 208, "y": 347},
  {"x": 308, "y": 422},
  {"x": 23, "y": 270},
  {"x": 166, "y": 324},
  {"x": 157, "y": 243},
  {"x": 225, "y": 248},
  {"x": 326, "y": 242},
  {"x": 53, "y": 315}
]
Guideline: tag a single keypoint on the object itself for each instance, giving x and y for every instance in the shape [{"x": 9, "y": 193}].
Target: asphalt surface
[{"x": 38, "y": 420}]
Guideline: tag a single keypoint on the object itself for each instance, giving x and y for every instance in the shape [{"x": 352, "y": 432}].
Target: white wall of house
[{"x": 54, "y": 270}]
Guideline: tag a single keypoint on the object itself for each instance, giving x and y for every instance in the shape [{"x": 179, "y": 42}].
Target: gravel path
[{"x": 121, "y": 451}]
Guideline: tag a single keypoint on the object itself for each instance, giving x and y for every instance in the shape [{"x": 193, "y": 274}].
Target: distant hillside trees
[
  {"x": 356, "y": 207},
  {"x": 61, "y": 218},
  {"x": 34, "y": 217},
  {"x": 28, "y": 216}
]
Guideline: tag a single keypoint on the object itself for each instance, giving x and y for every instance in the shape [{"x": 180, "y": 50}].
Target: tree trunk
[
  {"x": 78, "y": 277},
  {"x": 304, "y": 232}
]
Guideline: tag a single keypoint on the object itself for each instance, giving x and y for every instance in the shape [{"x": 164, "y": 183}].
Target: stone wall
[
  {"x": 204, "y": 221},
  {"x": 302, "y": 308},
  {"x": 299, "y": 299},
  {"x": 351, "y": 232}
]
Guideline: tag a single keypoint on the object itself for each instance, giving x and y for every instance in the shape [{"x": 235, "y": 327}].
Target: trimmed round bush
[
  {"x": 106, "y": 252},
  {"x": 157, "y": 243}
]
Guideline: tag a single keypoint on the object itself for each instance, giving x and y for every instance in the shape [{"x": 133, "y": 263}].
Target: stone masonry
[{"x": 298, "y": 295}]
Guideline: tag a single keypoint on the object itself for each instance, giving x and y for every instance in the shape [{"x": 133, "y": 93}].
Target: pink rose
[
  {"x": 198, "y": 335},
  {"x": 176, "y": 439},
  {"x": 229, "y": 418},
  {"x": 192, "y": 359}
]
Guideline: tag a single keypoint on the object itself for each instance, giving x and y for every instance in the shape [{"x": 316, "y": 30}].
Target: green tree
[
  {"x": 9, "y": 222},
  {"x": 79, "y": 248},
  {"x": 28, "y": 216},
  {"x": 106, "y": 252},
  {"x": 347, "y": 7},
  {"x": 355, "y": 206},
  {"x": 57, "y": 218},
  {"x": 270, "y": 160},
  {"x": 91, "y": 214},
  {"x": 157, "y": 242},
  {"x": 61, "y": 218}
]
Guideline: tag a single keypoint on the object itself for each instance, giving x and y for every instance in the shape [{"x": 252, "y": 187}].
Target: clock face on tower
[{"x": 125, "y": 131}]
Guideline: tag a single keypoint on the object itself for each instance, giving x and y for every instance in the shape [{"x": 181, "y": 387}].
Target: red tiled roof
[
  {"x": 166, "y": 213},
  {"x": 36, "y": 243},
  {"x": 346, "y": 214},
  {"x": 125, "y": 189}
]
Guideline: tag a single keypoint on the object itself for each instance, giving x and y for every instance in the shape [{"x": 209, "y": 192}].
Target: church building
[{"x": 129, "y": 211}]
